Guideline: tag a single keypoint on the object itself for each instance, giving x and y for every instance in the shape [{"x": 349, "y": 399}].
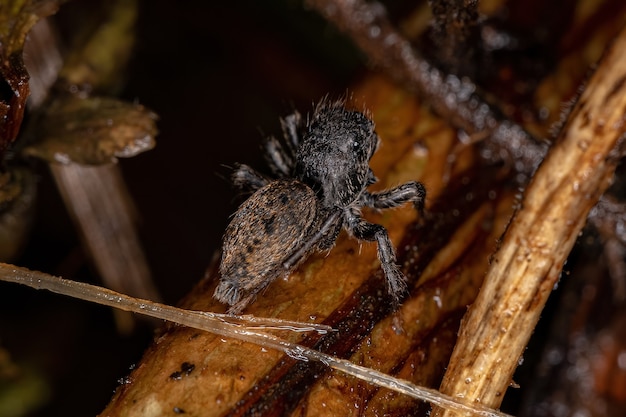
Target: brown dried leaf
[{"x": 92, "y": 131}]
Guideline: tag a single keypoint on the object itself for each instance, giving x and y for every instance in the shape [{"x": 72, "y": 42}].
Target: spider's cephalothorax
[
  {"x": 323, "y": 173},
  {"x": 333, "y": 156}
]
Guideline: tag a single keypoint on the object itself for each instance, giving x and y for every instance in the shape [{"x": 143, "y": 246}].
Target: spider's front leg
[
  {"x": 246, "y": 178},
  {"x": 411, "y": 191},
  {"x": 364, "y": 230}
]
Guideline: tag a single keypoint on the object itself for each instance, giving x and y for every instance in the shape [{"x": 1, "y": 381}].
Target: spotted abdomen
[{"x": 266, "y": 229}]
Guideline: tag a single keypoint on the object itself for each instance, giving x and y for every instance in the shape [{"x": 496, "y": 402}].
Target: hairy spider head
[{"x": 334, "y": 153}]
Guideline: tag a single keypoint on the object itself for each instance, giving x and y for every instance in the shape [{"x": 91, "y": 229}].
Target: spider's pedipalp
[
  {"x": 291, "y": 125},
  {"x": 278, "y": 159}
]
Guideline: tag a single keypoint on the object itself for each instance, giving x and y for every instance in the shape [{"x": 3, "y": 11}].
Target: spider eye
[{"x": 356, "y": 144}]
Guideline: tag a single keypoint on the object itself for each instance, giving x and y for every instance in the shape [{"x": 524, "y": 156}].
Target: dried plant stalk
[
  {"x": 107, "y": 221},
  {"x": 535, "y": 246}
]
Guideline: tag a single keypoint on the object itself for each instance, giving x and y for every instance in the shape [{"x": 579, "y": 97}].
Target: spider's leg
[
  {"x": 331, "y": 225},
  {"x": 246, "y": 178},
  {"x": 238, "y": 307},
  {"x": 279, "y": 160},
  {"x": 290, "y": 125},
  {"x": 227, "y": 292},
  {"x": 364, "y": 230},
  {"x": 410, "y": 191}
]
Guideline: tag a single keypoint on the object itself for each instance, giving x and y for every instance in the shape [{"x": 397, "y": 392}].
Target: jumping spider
[{"x": 323, "y": 173}]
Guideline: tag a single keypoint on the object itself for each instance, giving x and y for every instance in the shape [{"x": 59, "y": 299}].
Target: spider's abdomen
[{"x": 266, "y": 229}]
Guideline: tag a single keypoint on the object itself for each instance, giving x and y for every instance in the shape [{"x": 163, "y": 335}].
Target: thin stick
[
  {"x": 217, "y": 323},
  {"x": 223, "y": 325}
]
